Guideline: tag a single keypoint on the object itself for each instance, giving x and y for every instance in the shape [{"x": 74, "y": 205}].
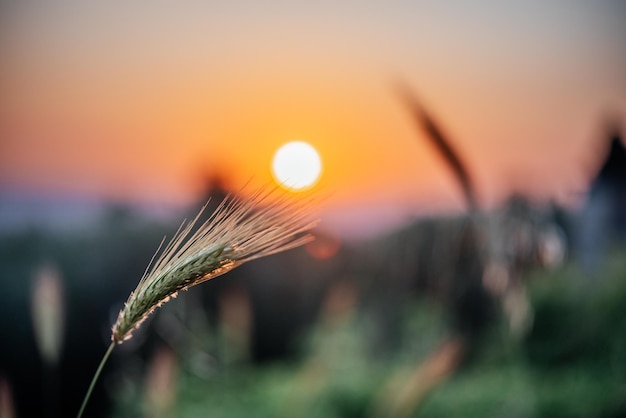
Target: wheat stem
[
  {"x": 238, "y": 231},
  {"x": 95, "y": 378}
]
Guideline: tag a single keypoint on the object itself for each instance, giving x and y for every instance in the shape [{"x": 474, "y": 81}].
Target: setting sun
[{"x": 296, "y": 165}]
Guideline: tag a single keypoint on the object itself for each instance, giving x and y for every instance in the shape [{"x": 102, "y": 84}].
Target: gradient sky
[{"x": 138, "y": 101}]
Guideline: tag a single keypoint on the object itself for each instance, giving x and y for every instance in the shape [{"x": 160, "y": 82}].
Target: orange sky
[{"x": 136, "y": 101}]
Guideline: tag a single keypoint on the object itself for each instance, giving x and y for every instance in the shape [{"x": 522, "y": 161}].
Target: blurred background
[{"x": 471, "y": 188}]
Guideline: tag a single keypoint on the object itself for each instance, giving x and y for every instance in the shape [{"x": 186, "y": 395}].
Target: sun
[{"x": 296, "y": 165}]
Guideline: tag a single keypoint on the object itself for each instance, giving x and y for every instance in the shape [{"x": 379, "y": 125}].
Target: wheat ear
[{"x": 238, "y": 231}]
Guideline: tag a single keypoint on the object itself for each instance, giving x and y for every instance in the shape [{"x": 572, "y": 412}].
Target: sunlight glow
[{"x": 296, "y": 165}]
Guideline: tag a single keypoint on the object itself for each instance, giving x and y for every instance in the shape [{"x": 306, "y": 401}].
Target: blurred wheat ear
[
  {"x": 239, "y": 230},
  {"x": 442, "y": 144},
  {"x": 48, "y": 313}
]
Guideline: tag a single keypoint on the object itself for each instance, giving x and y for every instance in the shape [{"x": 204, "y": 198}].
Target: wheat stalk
[{"x": 238, "y": 231}]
